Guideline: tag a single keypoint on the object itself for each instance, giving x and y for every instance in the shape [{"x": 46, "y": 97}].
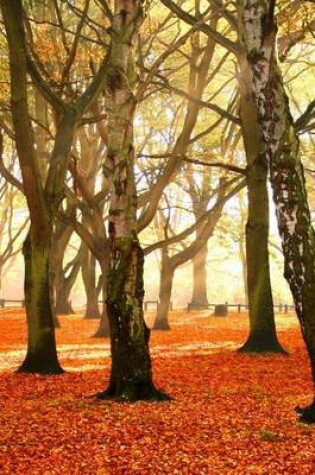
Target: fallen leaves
[{"x": 231, "y": 413}]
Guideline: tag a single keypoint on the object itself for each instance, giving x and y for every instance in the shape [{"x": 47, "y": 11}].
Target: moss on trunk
[{"x": 41, "y": 354}]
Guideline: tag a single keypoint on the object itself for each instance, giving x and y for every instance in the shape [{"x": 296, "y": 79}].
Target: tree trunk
[
  {"x": 131, "y": 377},
  {"x": 41, "y": 354},
  {"x": 89, "y": 280},
  {"x": 262, "y": 335},
  {"x": 242, "y": 244},
  {"x": 103, "y": 330},
  {"x": 131, "y": 374},
  {"x": 199, "y": 262},
  {"x": 166, "y": 282},
  {"x": 242, "y": 254},
  {"x": 63, "y": 303},
  {"x": 286, "y": 169},
  {"x": 64, "y": 284}
]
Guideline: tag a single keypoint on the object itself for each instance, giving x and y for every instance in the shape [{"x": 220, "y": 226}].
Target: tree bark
[
  {"x": 131, "y": 373},
  {"x": 286, "y": 169}
]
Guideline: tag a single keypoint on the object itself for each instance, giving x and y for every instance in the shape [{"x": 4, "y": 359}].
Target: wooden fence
[
  {"x": 152, "y": 304},
  {"x": 8, "y": 303}
]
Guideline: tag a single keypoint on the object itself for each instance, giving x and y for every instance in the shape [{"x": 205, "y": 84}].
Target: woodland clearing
[{"x": 230, "y": 412}]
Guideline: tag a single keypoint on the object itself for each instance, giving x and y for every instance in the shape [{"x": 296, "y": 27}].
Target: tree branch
[{"x": 191, "y": 20}]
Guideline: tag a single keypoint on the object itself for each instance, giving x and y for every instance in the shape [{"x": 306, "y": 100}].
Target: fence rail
[
  {"x": 6, "y": 302},
  {"x": 152, "y": 304},
  {"x": 281, "y": 307}
]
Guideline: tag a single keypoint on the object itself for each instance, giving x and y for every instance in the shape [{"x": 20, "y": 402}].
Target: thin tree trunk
[
  {"x": 199, "y": 262},
  {"x": 103, "y": 330},
  {"x": 262, "y": 335},
  {"x": 286, "y": 169},
  {"x": 63, "y": 302},
  {"x": 242, "y": 250},
  {"x": 89, "y": 280},
  {"x": 41, "y": 354},
  {"x": 166, "y": 282},
  {"x": 64, "y": 284},
  {"x": 60, "y": 241}
]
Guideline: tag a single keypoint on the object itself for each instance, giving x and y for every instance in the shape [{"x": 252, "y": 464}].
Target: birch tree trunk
[
  {"x": 286, "y": 170},
  {"x": 131, "y": 374}
]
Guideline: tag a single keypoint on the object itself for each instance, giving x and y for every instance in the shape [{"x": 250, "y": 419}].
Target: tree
[
  {"x": 204, "y": 228},
  {"x": 259, "y": 32},
  {"x": 131, "y": 373},
  {"x": 262, "y": 335},
  {"x": 43, "y": 200}
]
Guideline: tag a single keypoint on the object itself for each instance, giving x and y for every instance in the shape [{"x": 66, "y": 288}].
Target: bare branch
[{"x": 202, "y": 26}]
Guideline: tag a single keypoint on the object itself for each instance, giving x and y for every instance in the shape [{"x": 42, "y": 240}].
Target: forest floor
[{"x": 230, "y": 413}]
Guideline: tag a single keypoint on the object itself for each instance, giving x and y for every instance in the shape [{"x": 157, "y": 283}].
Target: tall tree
[
  {"x": 259, "y": 32},
  {"x": 131, "y": 373},
  {"x": 262, "y": 335},
  {"x": 43, "y": 200}
]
